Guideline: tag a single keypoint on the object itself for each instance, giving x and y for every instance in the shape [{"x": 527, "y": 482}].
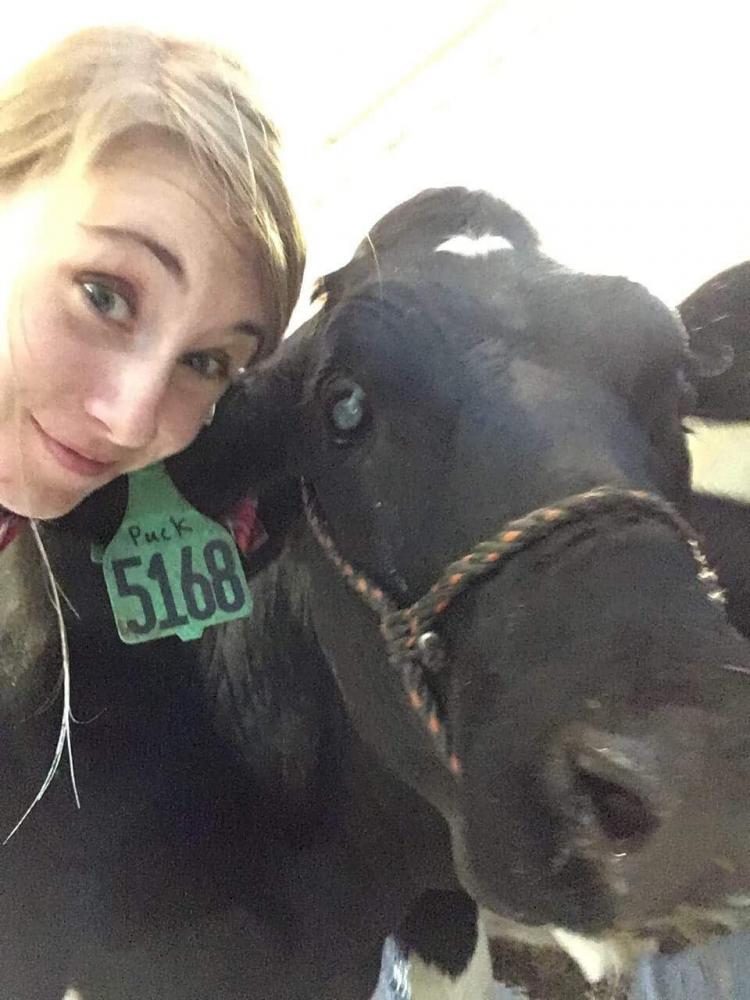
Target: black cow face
[{"x": 456, "y": 379}]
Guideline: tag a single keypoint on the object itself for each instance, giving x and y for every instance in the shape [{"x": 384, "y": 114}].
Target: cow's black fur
[
  {"x": 725, "y": 526},
  {"x": 255, "y": 822}
]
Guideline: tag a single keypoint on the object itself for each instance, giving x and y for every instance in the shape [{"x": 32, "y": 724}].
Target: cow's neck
[{"x": 349, "y": 635}]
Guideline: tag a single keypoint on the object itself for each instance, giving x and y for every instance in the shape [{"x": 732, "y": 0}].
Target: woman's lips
[{"x": 71, "y": 459}]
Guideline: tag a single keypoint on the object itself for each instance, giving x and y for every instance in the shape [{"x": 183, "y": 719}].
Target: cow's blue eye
[{"x": 348, "y": 412}]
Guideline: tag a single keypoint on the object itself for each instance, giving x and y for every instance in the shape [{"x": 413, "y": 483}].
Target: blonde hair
[{"x": 100, "y": 84}]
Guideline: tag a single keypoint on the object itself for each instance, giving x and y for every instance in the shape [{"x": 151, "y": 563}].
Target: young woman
[{"x": 149, "y": 253}]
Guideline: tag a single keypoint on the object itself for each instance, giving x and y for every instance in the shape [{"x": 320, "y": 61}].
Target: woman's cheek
[
  {"x": 45, "y": 324},
  {"x": 39, "y": 350},
  {"x": 180, "y": 426}
]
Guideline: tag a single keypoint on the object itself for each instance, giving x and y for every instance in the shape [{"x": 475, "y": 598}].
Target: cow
[
  {"x": 719, "y": 313},
  {"x": 488, "y": 665}
]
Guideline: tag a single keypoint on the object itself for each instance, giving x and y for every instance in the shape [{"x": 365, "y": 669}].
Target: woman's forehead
[
  {"x": 158, "y": 187},
  {"x": 154, "y": 195}
]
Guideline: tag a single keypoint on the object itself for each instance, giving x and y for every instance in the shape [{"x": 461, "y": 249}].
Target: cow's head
[{"x": 593, "y": 696}]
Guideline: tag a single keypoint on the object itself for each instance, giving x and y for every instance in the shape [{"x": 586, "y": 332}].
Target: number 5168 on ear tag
[{"x": 170, "y": 570}]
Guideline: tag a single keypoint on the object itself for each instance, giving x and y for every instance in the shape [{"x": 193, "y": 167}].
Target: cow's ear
[{"x": 717, "y": 319}]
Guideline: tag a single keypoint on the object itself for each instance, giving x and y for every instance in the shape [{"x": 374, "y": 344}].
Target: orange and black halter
[{"x": 415, "y": 650}]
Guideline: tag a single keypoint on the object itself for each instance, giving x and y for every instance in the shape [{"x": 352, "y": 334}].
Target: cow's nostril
[
  {"x": 621, "y": 814},
  {"x": 608, "y": 788}
]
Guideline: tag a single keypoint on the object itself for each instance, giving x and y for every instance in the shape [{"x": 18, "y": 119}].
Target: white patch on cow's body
[
  {"x": 720, "y": 457},
  {"x": 427, "y": 982},
  {"x": 468, "y": 245},
  {"x": 72, "y": 994},
  {"x": 598, "y": 959},
  {"x": 607, "y": 958}
]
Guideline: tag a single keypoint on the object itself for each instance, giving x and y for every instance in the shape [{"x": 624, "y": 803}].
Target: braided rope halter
[{"x": 415, "y": 651}]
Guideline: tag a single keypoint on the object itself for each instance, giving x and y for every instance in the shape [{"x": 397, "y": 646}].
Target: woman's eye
[
  {"x": 214, "y": 367},
  {"x": 106, "y": 301}
]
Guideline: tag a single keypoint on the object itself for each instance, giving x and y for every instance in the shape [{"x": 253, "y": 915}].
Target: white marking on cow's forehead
[{"x": 469, "y": 245}]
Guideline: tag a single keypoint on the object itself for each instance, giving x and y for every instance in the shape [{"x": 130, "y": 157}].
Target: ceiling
[{"x": 618, "y": 126}]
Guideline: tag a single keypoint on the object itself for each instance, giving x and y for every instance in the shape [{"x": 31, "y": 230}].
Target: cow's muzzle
[{"x": 413, "y": 644}]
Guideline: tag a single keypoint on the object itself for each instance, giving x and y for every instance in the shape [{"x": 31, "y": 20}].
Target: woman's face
[{"x": 127, "y": 308}]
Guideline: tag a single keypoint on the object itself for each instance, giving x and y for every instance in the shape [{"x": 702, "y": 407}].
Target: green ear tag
[{"x": 169, "y": 570}]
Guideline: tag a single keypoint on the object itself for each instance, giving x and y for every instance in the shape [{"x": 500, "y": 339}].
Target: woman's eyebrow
[{"x": 166, "y": 257}]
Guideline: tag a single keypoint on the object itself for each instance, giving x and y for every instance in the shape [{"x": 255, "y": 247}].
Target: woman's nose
[{"x": 129, "y": 403}]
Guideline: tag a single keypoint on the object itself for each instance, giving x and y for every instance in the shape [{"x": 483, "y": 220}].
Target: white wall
[{"x": 618, "y": 126}]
